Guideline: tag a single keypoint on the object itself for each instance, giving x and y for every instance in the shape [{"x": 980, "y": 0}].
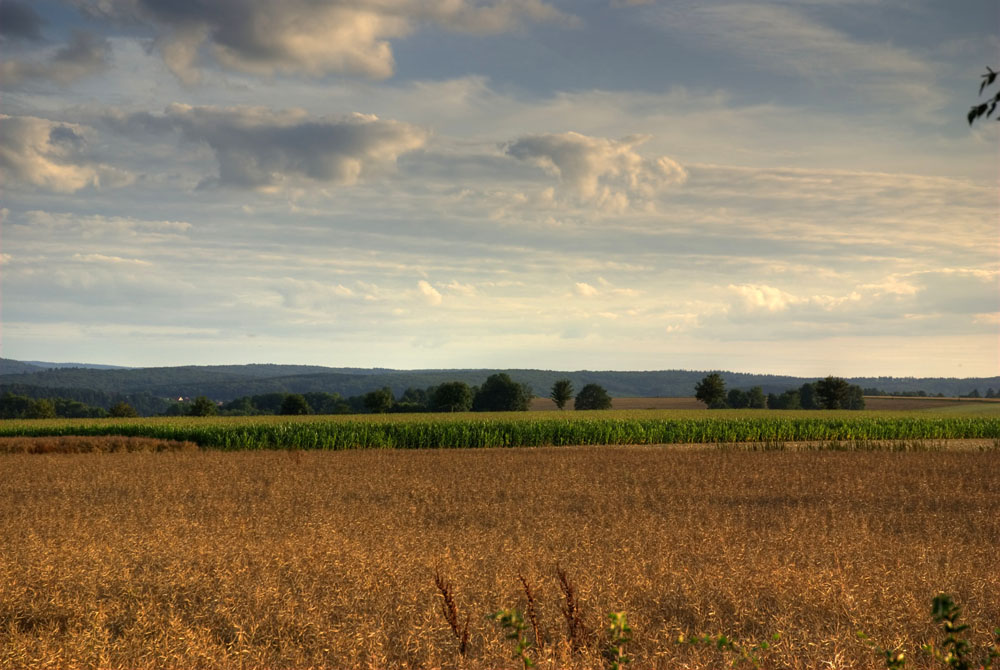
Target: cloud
[
  {"x": 608, "y": 173},
  {"x": 762, "y": 297},
  {"x": 109, "y": 260},
  {"x": 51, "y": 155},
  {"x": 19, "y": 21},
  {"x": 783, "y": 38},
  {"x": 83, "y": 56},
  {"x": 257, "y": 148},
  {"x": 312, "y": 37},
  {"x": 430, "y": 294},
  {"x": 584, "y": 289},
  {"x": 80, "y": 227}
]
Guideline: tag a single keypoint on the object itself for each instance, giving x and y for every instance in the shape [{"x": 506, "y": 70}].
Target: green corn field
[{"x": 474, "y": 430}]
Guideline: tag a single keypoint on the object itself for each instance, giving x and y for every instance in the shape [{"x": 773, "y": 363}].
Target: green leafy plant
[
  {"x": 954, "y": 650},
  {"x": 621, "y": 634},
  {"x": 744, "y": 653},
  {"x": 895, "y": 659},
  {"x": 512, "y": 622}
]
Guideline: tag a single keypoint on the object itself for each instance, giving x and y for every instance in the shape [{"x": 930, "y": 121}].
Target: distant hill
[
  {"x": 12, "y": 367},
  {"x": 226, "y": 382},
  {"x": 91, "y": 366}
]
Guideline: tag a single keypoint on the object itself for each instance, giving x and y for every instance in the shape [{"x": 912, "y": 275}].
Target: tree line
[
  {"x": 499, "y": 393},
  {"x": 828, "y": 393}
]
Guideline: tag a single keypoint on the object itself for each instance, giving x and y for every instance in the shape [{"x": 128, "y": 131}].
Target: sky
[{"x": 778, "y": 186}]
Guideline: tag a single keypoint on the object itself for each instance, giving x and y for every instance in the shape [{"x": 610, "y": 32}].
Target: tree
[
  {"x": 452, "y": 397},
  {"x": 41, "y": 409},
  {"x": 855, "y": 398},
  {"x": 561, "y": 392},
  {"x": 711, "y": 390},
  {"x": 14, "y": 406},
  {"x": 380, "y": 401},
  {"x": 833, "y": 393},
  {"x": 122, "y": 410},
  {"x": 985, "y": 108},
  {"x": 500, "y": 393},
  {"x": 808, "y": 398},
  {"x": 295, "y": 404},
  {"x": 415, "y": 396},
  {"x": 787, "y": 400},
  {"x": 202, "y": 406},
  {"x": 756, "y": 399},
  {"x": 737, "y": 399},
  {"x": 592, "y": 396}
]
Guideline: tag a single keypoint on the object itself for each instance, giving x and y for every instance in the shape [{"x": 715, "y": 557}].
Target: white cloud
[
  {"x": 82, "y": 227},
  {"x": 763, "y": 297},
  {"x": 584, "y": 289},
  {"x": 466, "y": 290},
  {"x": 52, "y": 155},
  {"x": 430, "y": 294},
  {"x": 609, "y": 173},
  {"x": 109, "y": 260}
]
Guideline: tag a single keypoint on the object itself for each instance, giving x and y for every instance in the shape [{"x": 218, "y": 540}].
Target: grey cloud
[
  {"x": 83, "y": 56},
  {"x": 305, "y": 36},
  {"x": 260, "y": 149},
  {"x": 19, "y": 21},
  {"x": 51, "y": 155}
]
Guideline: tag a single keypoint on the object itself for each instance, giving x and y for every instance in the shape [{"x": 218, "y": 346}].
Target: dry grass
[
  {"x": 319, "y": 559},
  {"x": 82, "y": 444}
]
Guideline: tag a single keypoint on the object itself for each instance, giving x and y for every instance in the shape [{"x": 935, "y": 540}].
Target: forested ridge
[{"x": 228, "y": 382}]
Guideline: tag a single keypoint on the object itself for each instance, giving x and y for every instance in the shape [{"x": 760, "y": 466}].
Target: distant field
[
  {"x": 771, "y": 429},
  {"x": 883, "y": 403},
  {"x": 546, "y": 404},
  {"x": 259, "y": 560}
]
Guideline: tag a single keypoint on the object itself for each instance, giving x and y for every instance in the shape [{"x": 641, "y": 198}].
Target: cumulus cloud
[
  {"x": 609, "y": 173},
  {"x": 51, "y": 155},
  {"x": 84, "y": 55},
  {"x": 763, "y": 297},
  {"x": 257, "y": 148},
  {"x": 313, "y": 37},
  {"x": 584, "y": 289}
]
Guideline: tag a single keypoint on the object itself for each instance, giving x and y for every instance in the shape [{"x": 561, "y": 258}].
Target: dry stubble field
[{"x": 327, "y": 559}]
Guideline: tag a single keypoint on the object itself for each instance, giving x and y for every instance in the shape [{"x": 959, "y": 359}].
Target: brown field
[
  {"x": 327, "y": 559},
  {"x": 81, "y": 444}
]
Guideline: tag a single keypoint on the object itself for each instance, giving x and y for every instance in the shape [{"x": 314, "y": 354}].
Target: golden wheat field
[{"x": 200, "y": 559}]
